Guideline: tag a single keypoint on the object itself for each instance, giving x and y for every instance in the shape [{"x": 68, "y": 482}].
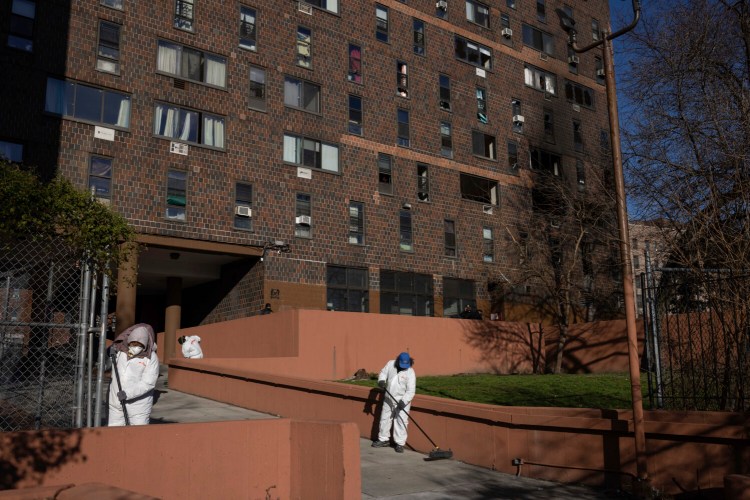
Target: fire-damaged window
[{"x": 479, "y": 189}]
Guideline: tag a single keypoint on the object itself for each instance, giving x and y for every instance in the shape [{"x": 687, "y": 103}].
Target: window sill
[
  {"x": 484, "y": 157},
  {"x": 191, "y": 144},
  {"x": 314, "y": 169},
  {"x": 96, "y": 124},
  {"x": 314, "y": 113},
  {"x": 248, "y": 49},
  {"x": 259, "y": 110},
  {"x": 113, "y": 73},
  {"x": 474, "y": 23},
  {"x": 198, "y": 82}
]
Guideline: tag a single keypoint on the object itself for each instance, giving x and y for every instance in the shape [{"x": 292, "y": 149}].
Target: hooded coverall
[
  {"x": 191, "y": 348},
  {"x": 138, "y": 376},
  {"x": 402, "y": 385}
]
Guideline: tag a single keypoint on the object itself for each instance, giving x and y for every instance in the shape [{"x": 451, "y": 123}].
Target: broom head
[{"x": 438, "y": 454}]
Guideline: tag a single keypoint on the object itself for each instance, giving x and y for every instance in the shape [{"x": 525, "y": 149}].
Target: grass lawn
[{"x": 602, "y": 391}]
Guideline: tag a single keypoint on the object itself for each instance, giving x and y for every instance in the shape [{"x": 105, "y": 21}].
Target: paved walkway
[{"x": 385, "y": 473}]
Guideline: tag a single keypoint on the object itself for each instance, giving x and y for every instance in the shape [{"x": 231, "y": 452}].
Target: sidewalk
[{"x": 385, "y": 473}]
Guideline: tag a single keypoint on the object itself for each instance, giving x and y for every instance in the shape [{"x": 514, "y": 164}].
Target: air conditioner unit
[
  {"x": 518, "y": 119},
  {"x": 543, "y": 56},
  {"x": 243, "y": 211},
  {"x": 487, "y": 209},
  {"x": 507, "y": 32},
  {"x": 576, "y": 108},
  {"x": 305, "y": 8},
  {"x": 600, "y": 72},
  {"x": 573, "y": 59},
  {"x": 303, "y": 220},
  {"x": 445, "y": 105},
  {"x": 442, "y": 5}
]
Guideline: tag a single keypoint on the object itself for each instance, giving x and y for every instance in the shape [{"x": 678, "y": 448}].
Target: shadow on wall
[
  {"x": 507, "y": 348},
  {"x": 26, "y": 457}
]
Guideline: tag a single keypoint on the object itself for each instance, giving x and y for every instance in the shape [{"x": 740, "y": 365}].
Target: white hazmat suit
[
  {"x": 191, "y": 347},
  {"x": 401, "y": 386}
]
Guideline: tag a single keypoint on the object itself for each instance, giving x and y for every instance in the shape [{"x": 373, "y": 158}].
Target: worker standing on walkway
[
  {"x": 191, "y": 346},
  {"x": 399, "y": 381}
]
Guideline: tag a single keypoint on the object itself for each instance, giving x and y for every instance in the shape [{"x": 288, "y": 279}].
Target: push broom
[{"x": 436, "y": 453}]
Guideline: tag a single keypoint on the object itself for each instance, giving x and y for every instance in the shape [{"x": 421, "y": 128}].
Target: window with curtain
[
  {"x": 90, "y": 104},
  {"x": 188, "y": 125},
  {"x": 100, "y": 177},
  {"x": 191, "y": 64},
  {"x": 304, "y": 47},
  {"x": 540, "y": 80},
  {"x": 176, "y": 194},
  {"x": 355, "y": 63},
  {"x": 311, "y": 153},
  {"x": 108, "y": 52}
]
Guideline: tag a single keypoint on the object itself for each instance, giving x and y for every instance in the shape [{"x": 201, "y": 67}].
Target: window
[
  {"x": 176, "y": 194},
  {"x": 257, "y": 88},
  {"x": 423, "y": 182},
  {"x": 100, "y": 177},
  {"x": 473, "y": 53},
  {"x": 580, "y": 175},
  {"x": 446, "y": 140},
  {"x": 381, "y": 23},
  {"x": 518, "y": 118},
  {"x": 11, "y": 151},
  {"x": 302, "y": 216},
  {"x": 604, "y": 140},
  {"x": 385, "y": 174},
  {"x": 402, "y": 79},
  {"x": 511, "y": 4},
  {"x": 512, "y": 155},
  {"x": 549, "y": 125},
  {"x": 523, "y": 247},
  {"x": 248, "y": 28},
  {"x": 188, "y": 125},
  {"x": 483, "y": 145},
  {"x": 301, "y": 94},
  {"x": 108, "y": 52},
  {"x": 577, "y": 136},
  {"x": 304, "y": 47},
  {"x": 418, "y": 27},
  {"x": 507, "y": 37},
  {"x": 481, "y": 105},
  {"x": 540, "y": 80},
  {"x": 346, "y": 289},
  {"x": 441, "y": 9},
  {"x": 579, "y": 94},
  {"x": 595, "y": 30},
  {"x": 541, "y": 11},
  {"x": 545, "y": 161},
  {"x": 311, "y": 153},
  {"x": 539, "y": 40},
  {"x": 406, "y": 293},
  {"x": 184, "y": 14},
  {"x": 191, "y": 64},
  {"x": 355, "y": 64},
  {"x": 572, "y": 61},
  {"x": 445, "y": 92},
  {"x": 356, "y": 223},
  {"x": 449, "y": 230},
  {"x": 114, "y": 4},
  {"x": 22, "y": 15},
  {"x": 355, "y": 114},
  {"x": 478, "y": 13},
  {"x": 457, "y": 294},
  {"x": 479, "y": 189},
  {"x": 403, "y": 128},
  {"x": 243, "y": 203},
  {"x": 488, "y": 245},
  {"x": 329, "y": 5},
  {"x": 599, "y": 72},
  {"x": 405, "y": 231},
  {"x": 89, "y": 104}
]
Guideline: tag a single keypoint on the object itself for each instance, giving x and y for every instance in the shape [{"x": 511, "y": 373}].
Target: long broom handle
[
  {"x": 119, "y": 388},
  {"x": 412, "y": 419}
]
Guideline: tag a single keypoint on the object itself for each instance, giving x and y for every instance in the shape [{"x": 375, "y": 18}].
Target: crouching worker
[
  {"x": 399, "y": 382},
  {"x": 135, "y": 368},
  {"x": 191, "y": 346}
]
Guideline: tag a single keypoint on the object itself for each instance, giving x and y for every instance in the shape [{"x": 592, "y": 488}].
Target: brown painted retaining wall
[{"x": 246, "y": 459}]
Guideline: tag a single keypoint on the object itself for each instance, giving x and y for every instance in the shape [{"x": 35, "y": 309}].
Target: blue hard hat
[{"x": 404, "y": 360}]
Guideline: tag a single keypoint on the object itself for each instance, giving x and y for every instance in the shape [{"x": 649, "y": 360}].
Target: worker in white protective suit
[
  {"x": 191, "y": 346},
  {"x": 137, "y": 365},
  {"x": 399, "y": 382}
]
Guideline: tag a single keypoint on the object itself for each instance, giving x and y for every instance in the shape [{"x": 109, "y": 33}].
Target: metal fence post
[
  {"x": 82, "y": 331},
  {"x": 104, "y": 308}
]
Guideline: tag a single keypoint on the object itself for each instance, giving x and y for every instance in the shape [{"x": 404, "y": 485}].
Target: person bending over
[{"x": 399, "y": 382}]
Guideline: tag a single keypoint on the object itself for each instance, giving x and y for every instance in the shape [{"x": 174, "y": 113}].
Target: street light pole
[{"x": 622, "y": 223}]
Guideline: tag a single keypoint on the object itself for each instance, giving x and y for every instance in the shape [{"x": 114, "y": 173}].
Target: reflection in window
[
  {"x": 100, "y": 177},
  {"x": 188, "y": 125},
  {"x": 347, "y": 289},
  {"x": 406, "y": 293},
  {"x": 91, "y": 104},
  {"x": 176, "y": 194},
  {"x": 457, "y": 294}
]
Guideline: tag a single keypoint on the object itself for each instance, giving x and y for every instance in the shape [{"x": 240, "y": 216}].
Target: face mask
[{"x": 135, "y": 350}]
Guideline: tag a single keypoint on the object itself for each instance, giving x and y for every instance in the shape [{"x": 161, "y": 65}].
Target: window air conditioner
[
  {"x": 243, "y": 211},
  {"x": 305, "y": 8},
  {"x": 487, "y": 209},
  {"x": 518, "y": 119},
  {"x": 303, "y": 220},
  {"x": 573, "y": 59},
  {"x": 507, "y": 32},
  {"x": 442, "y": 5},
  {"x": 600, "y": 72}
]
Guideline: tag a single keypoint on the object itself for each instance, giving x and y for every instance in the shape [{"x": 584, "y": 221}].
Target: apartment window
[
  {"x": 483, "y": 145},
  {"x": 446, "y": 140},
  {"x": 243, "y": 203},
  {"x": 541, "y": 11},
  {"x": 445, "y": 92},
  {"x": 302, "y": 216},
  {"x": 403, "y": 128},
  {"x": 580, "y": 175},
  {"x": 406, "y": 293},
  {"x": 512, "y": 155},
  {"x": 419, "y": 43},
  {"x": 356, "y": 223},
  {"x": 599, "y": 73},
  {"x": 184, "y": 14},
  {"x": 402, "y": 79},
  {"x": 191, "y": 64},
  {"x": 507, "y": 37},
  {"x": 479, "y": 189},
  {"x": 577, "y": 136},
  {"x": 540, "y": 80},
  {"x": 549, "y": 125},
  {"x": 488, "y": 245},
  {"x": 257, "y": 88},
  {"x": 595, "y": 30},
  {"x": 187, "y": 125},
  {"x": 304, "y": 47},
  {"x": 457, "y": 294},
  {"x": 176, "y": 194},
  {"x": 108, "y": 52},
  {"x": 441, "y": 9},
  {"x": 473, "y": 53},
  {"x": 346, "y": 289},
  {"x": 511, "y": 4},
  {"x": 423, "y": 182},
  {"x": 385, "y": 174},
  {"x": 355, "y": 114},
  {"x": 301, "y": 94},
  {"x": 86, "y": 103},
  {"x": 355, "y": 64},
  {"x": 518, "y": 118},
  {"x": 478, "y": 13},
  {"x": 22, "y": 15},
  {"x": 572, "y": 61},
  {"x": 545, "y": 161},
  {"x": 11, "y": 151},
  {"x": 329, "y": 5},
  {"x": 481, "y": 94},
  {"x": 114, "y": 4},
  {"x": 538, "y": 39},
  {"x": 523, "y": 247},
  {"x": 100, "y": 177},
  {"x": 604, "y": 139},
  {"x": 449, "y": 231},
  {"x": 381, "y": 23},
  {"x": 248, "y": 28},
  {"x": 311, "y": 153},
  {"x": 579, "y": 94},
  {"x": 405, "y": 231}
]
